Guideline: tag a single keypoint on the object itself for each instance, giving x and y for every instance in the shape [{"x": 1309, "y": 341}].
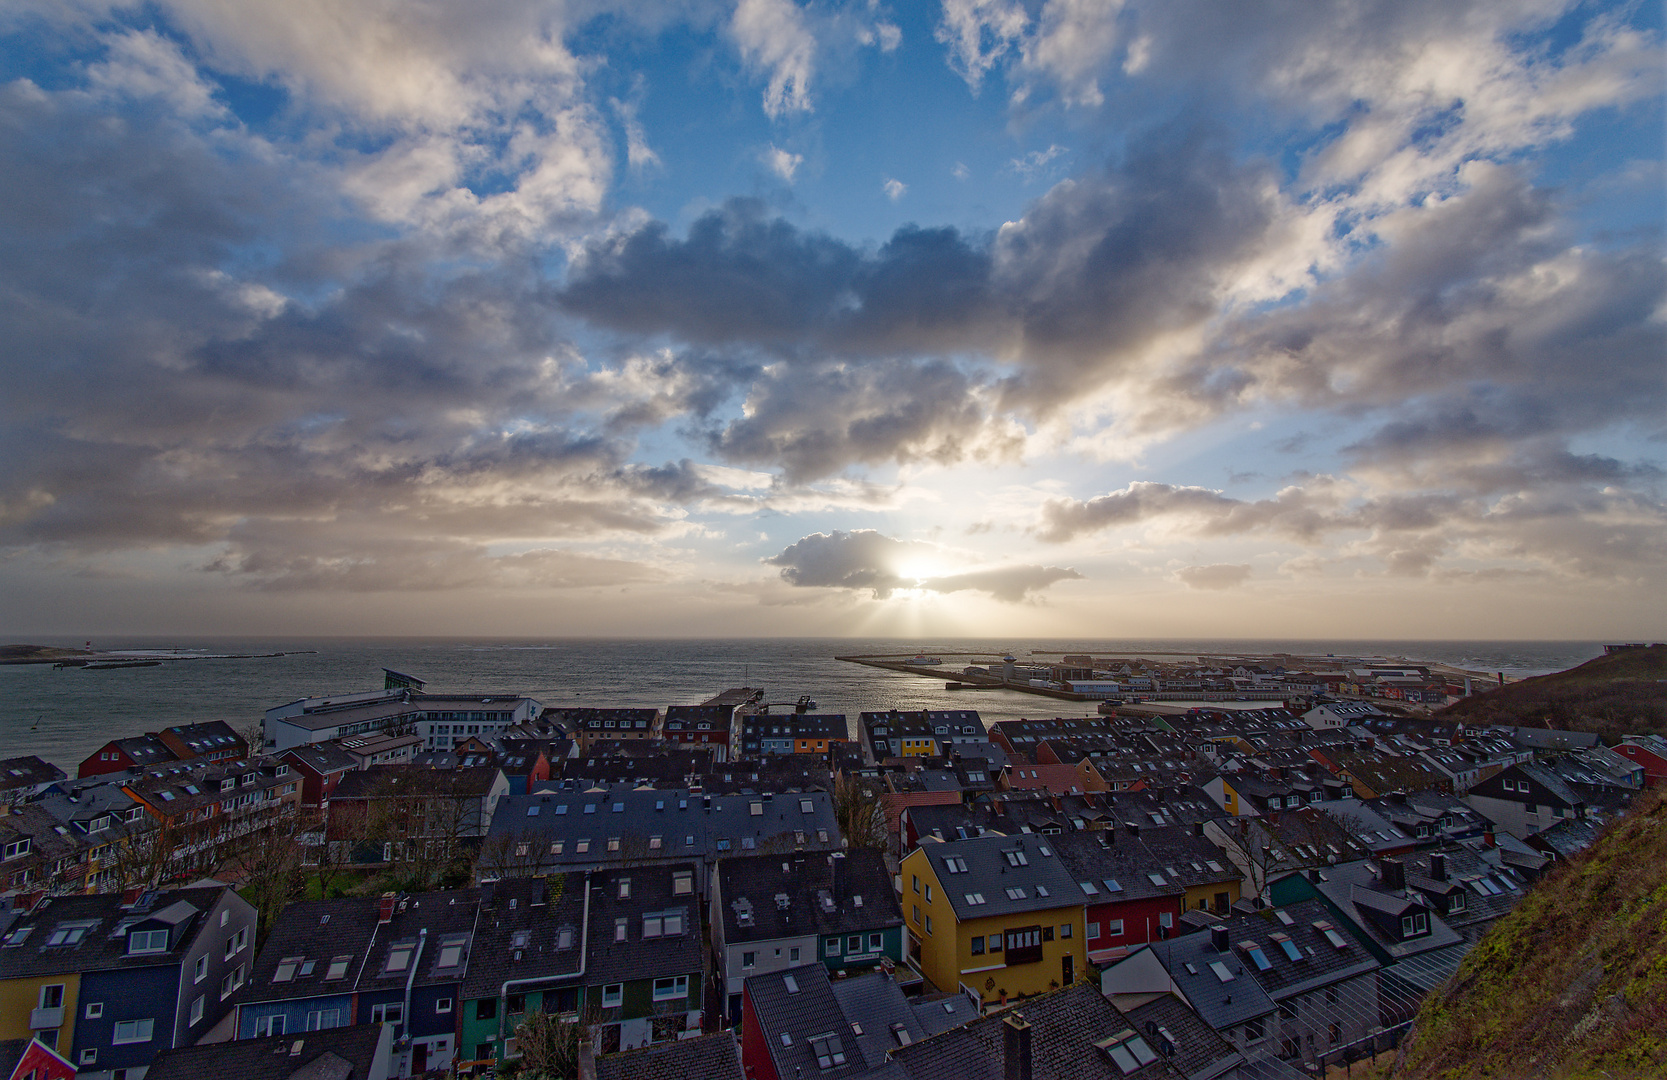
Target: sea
[{"x": 65, "y": 714}]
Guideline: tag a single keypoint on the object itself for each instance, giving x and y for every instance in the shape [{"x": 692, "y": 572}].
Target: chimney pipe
[
  {"x": 1394, "y": 874},
  {"x": 1218, "y": 938},
  {"x": 385, "y": 911},
  {"x": 837, "y": 862},
  {"x": 1438, "y": 866},
  {"x": 1016, "y": 1048}
]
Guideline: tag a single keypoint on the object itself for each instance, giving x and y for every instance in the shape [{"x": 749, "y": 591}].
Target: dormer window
[
  {"x": 1415, "y": 924},
  {"x": 147, "y": 941}
]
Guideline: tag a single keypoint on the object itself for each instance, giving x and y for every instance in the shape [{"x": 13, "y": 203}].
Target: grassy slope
[
  {"x": 1573, "y": 983},
  {"x": 1616, "y": 695}
]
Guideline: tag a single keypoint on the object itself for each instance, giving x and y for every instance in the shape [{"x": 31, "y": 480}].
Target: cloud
[
  {"x": 1217, "y": 577},
  {"x": 894, "y": 189},
  {"x": 1034, "y": 162},
  {"x": 772, "y": 35},
  {"x": 977, "y": 33},
  {"x": 866, "y": 559},
  {"x": 782, "y": 163}
]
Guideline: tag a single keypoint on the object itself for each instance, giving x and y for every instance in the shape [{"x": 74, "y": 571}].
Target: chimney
[
  {"x": 1016, "y": 1048},
  {"x": 385, "y": 911},
  {"x": 1133, "y": 827},
  {"x": 1394, "y": 874},
  {"x": 1438, "y": 866},
  {"x": 1218, "y": 938},
  {"x": 1487, "y": 838},
  {"x": 836, "y": 862},
  {"x": 131, "y": 897}
]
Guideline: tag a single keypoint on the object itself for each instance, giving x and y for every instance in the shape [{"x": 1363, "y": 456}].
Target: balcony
[{"x": 41, "y": 1019}]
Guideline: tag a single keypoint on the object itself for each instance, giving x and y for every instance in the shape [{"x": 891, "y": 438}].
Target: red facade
[{"x": 1141, "y": 920}]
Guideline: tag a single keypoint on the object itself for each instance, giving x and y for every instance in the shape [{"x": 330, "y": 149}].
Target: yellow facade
[
  {"x": 920, "y": 747},
  {"x": 946, "y": 955},
  {"x": 1204, "y": 896},
  {"x": 21, "y": 998}
]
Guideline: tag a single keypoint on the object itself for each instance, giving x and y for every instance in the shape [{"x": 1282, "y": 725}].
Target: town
[{"x": 1232, "y": 870}]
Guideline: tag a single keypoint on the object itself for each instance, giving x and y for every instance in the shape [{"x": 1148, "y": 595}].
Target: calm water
[{"x": 65, "y": 715}]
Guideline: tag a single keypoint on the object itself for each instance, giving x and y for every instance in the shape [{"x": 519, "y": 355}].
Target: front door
[
  {"x": 1067, "y": 970},
  {"x": 419, "y": 1058}
]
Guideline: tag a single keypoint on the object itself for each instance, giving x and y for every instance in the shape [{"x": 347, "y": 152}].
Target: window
[
  {"x": 338, "y": 967},
  {"x": 197, "y": 1009},
  {"x": 1016, "y": 858},
  {"x": 995, "y": 942},
  {"x": 833, "y": 947},
  {"x": 324, "y": 1019},
  {"x": 389, "y": 1012},
  {"x": 17, "y": 848},
  {"x": 269, "y": 1025},
  {"x": 68, "y": 934},
  {"x": 133, "y": 1031},
  {"x": 1128, "y": 1051},
  {"x": 915, "y": 912},
  {"x": 1065, "y": 930},
  {"x": 229, "y": 984},
  {"x": 620, "y": 925},
  {"x": 682, "y": 882},
  {"x": 442, "y": 1005},
  {"x": 873, "y": 942},
  {"x": 614, "y": 993},
  {"x": 235, "y": 943},
  {"x": 1114, "y": 928},
  {"x": 915, "y": 880},
  {"x": 88, "y": 1057},
  {"x": 486, "y": 1009},
  {"x": 928, "y": 893},
  {"x": 673, "y": 988},
  {"x": 95, "y": 1009},
  {"x": 793, "y": 955},
  {"x": 828, "y": 1050},
  {"x": 1415, "y": 924},
  {"x": 399, "y": 957},
  {"x": 977, "y": 945},
  {"x": 748, "y": 959},
  {"x": 286, "y": 969},
  {"x": 199, "y": 971},
  {"x": 1093, "y": 931},
  {"x": 928, "y": 924}
]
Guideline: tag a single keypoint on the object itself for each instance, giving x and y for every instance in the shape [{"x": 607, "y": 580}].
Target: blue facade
[
  {"x": 136, "y": 994},
  {"x": 298, "y": 1014}
]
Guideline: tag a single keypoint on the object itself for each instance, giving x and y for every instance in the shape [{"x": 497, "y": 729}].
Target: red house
[
  {"x": 31, "y": 1059},
  {"x": 1128, "y": 897},
  {"x": 1650, "y": 751}
]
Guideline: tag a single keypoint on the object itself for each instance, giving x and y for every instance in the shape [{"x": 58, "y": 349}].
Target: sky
[{"x": 1070, "y": 318}]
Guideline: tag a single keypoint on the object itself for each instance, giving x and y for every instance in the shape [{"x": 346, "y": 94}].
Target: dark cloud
[
  {"x": 1295, "y": 511},
  {"x": 866, "y": 559}
]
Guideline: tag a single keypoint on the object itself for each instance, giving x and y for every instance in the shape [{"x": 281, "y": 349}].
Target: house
[
  {"x": 397, "y": 960},
  {"x": 1525, "y": 798},
  {"x": 320, "y": 767},
  {"x": 1650, "y": 751},
  {"x": 1001, "y": 916},
  {"x": 700, "y": 725},
  {"x": 772, "y": 912},
  {"x": 31, "y": 1059},
  {"x": 199, "y": 811},
  {"x": 790, "y": 733},
  {"x": 645, "y": 956},
  {"x": 1325, "y": 996},
  {"x": 591, "y": 726},
  {"x": 110, "y": 979},
  {"x": 364, "y": 1052},
  {"x": 406, "y": 813},
  {"x": 120, "y": 755},
  {"x": 326, "y": 719},
  {"x": 1197, "y": 969},
  {"x": 528, "y": 957},
  {"x": 1127, "y": 899},
  {"x": 25, "y": 777}
]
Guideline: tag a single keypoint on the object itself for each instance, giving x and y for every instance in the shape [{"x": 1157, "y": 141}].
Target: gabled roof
[
  {"x": 528, "y": 928},
  {"x": 1274, "y": 935},
  {"x": 1004, "y": 875},
  {"x": 640, "y": 955},
  {"x": 1196, "y": 968},
  {"x": 28, "y": 771},
  {"x": 1200, "y": 1053}
]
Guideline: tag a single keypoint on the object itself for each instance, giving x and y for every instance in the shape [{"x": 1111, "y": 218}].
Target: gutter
[
  {"x": 584, "y": 955},
  {"x": 411, "y": 976}
]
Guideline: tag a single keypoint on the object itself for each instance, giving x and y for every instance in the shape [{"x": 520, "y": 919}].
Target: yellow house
[
  {"x": 40, "y": 1006},
  {"x": 998, "y": 915}
]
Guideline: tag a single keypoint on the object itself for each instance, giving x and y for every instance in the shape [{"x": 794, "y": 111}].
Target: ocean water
[{"x": 63, "y": 715}]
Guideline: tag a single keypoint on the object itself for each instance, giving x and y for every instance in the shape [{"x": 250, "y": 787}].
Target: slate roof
[
  {"x": 102, "y": 944},
  {"x": 323, "y": 758},
  {"x": 28, "y": 771},
  {"x": 1064, "y": 1026},
  {"x": 758, "y": 884},
  {"x": 1124, "y": 862},
  {"x": 1353, "y": 889},
  {"x": 386, "y": 781},
  {"x": 874, "y": 1005},
  {"x": 520, "y": 932},
  {"x": 1322, "y": 963},
  {"x": 1200, "y": 1053},
  {"x": 710, "y": 1057},
  {"x": 331, "y": 717},
  {"x": 792, "y": 1008},
  {"x": 344, "y": 1053},
  {"x": 1222, "y": 1004},
  {"x": 322, "y": 930},
  {"x": 638, "y": 957},
  {"x": 718, "y": 824},
  {"x": 997, "y": 864}
]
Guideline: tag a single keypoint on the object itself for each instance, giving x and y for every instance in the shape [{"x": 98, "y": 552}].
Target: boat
[{"x": 923, "y": 659}]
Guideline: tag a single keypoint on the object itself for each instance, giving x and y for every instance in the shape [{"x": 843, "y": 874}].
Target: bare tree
[
  {"x": 425, "y": 821},
  {"x": 143, "y": 855},
  {"x": 269, "y": 865},
  {"x": 861, "y": 818}
]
